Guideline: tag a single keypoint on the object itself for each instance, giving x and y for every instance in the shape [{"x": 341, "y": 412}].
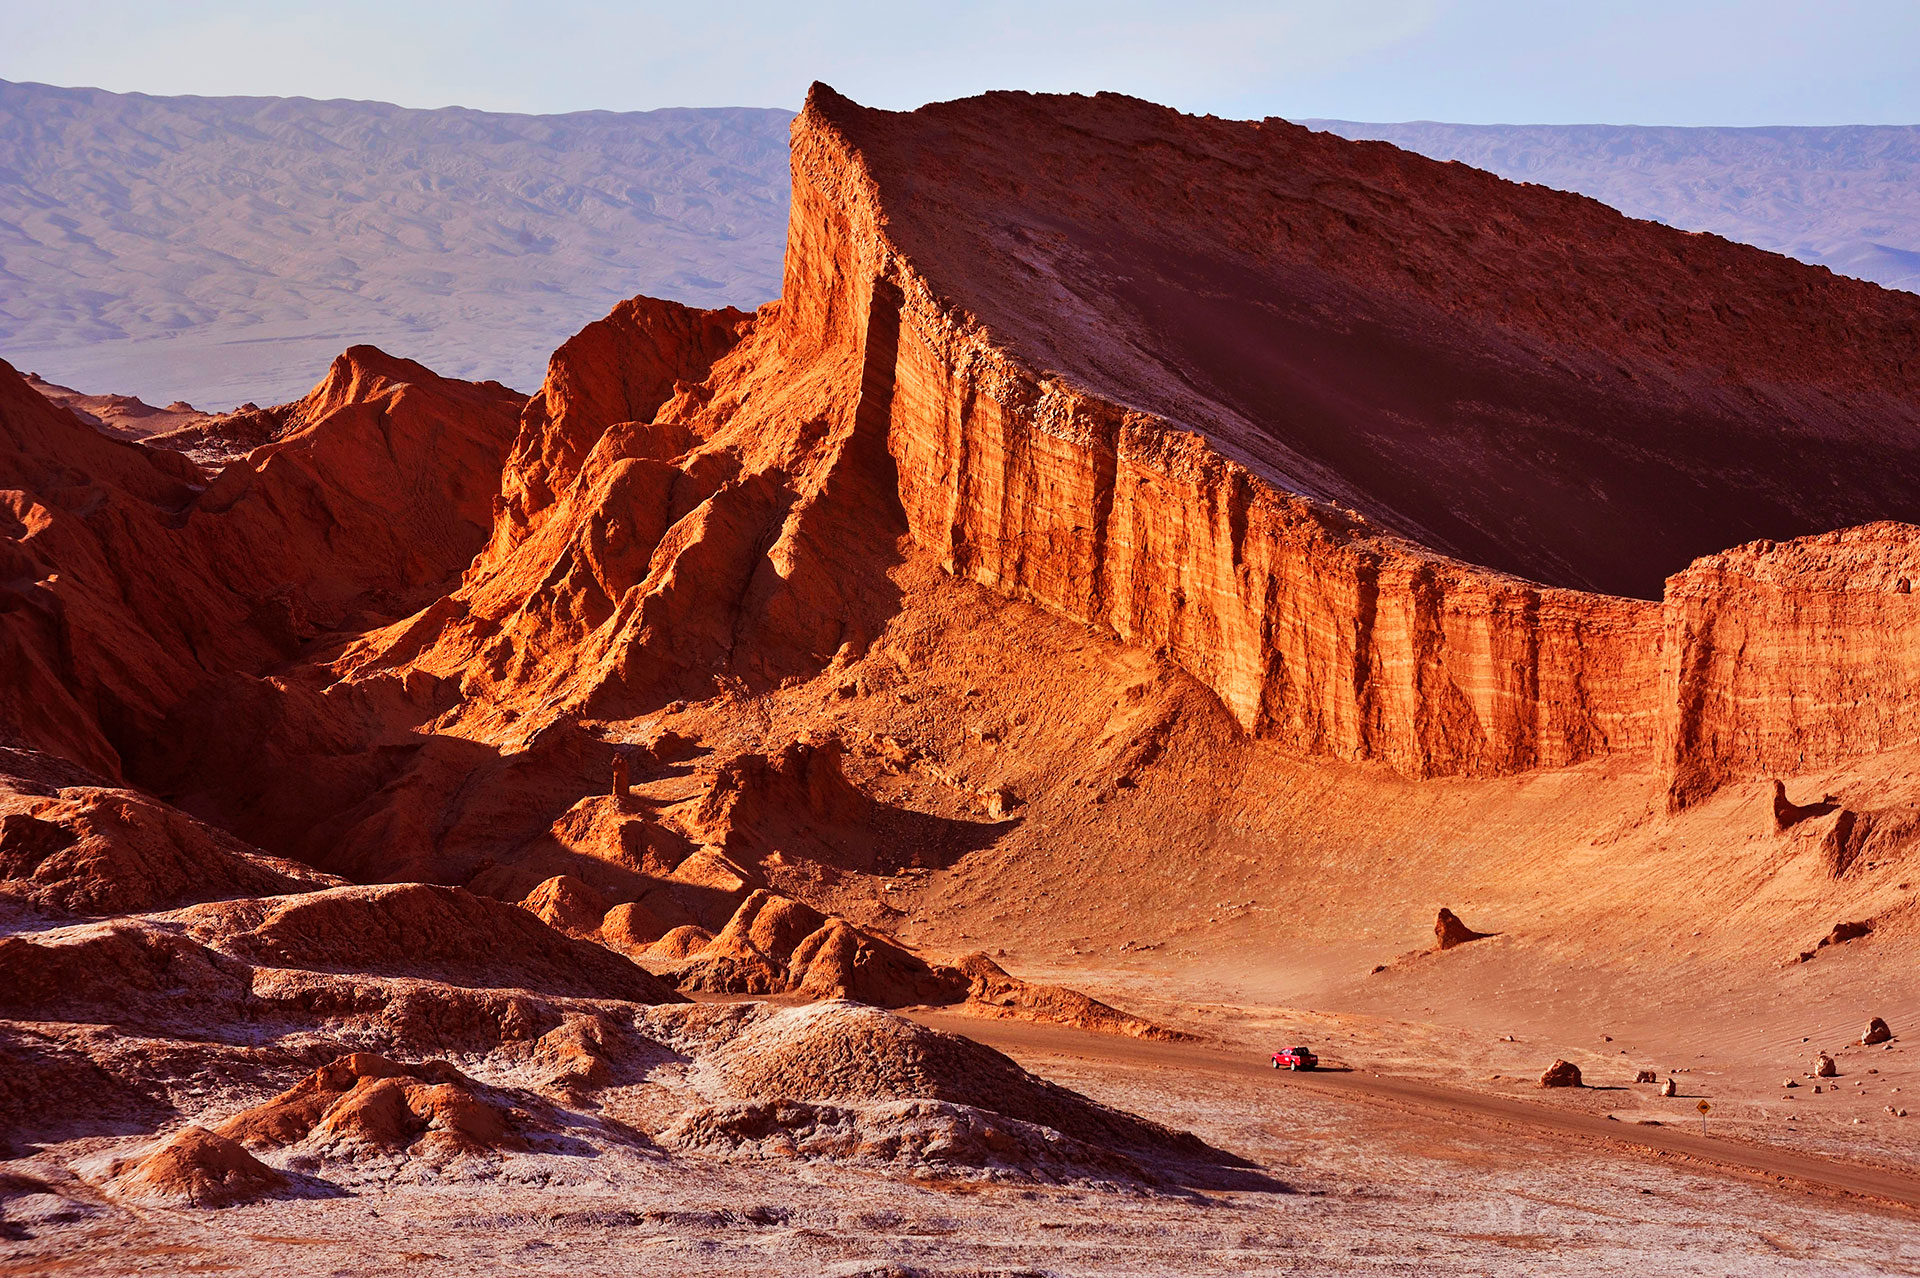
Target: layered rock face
[
  {"x": 1142, "y": 437},
  {"x": 1781, "y": 657},
  {"x": 1509, "y": 375}
]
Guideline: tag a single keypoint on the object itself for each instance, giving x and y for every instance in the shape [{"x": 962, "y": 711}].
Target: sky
[{"x": 1690, "y": 62}]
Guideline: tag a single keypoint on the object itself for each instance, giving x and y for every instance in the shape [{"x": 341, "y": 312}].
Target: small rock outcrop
[
  {"x": 366, "y": 1104},
  {"x": 199, "y": 1168},
  {"x": 1562, "y": 1074},
  {"x": 1840, "y": 935},
  {"x": 1844, "y": 932},
  {"x": 774, "y": 944},
  {"x": 1449, "y": 931},
  {"x": 567, "y": 905},
  {"x": 421, "y": 931},
  {"x": 842, "y": 1083},
  {"x": 1646, "y": 1076}
]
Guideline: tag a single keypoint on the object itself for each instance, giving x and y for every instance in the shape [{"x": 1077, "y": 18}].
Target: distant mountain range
[
  {"x": 1847, "y": 198},
  {"x": 225, "y": 249}
]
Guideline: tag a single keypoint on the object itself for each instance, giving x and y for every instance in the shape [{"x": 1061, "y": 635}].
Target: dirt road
[{"x": 1790, "y": 1168}]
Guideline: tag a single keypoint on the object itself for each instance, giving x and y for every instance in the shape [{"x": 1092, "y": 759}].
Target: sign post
[{"x": 1704, "y": 1109}]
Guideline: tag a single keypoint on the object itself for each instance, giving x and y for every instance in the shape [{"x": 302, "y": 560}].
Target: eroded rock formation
[
  {"x": 708, "y": 496},
  {"x": 1784, "y": 657},
  {"x": 134, "y": 580},
  {"x": 199, "y": 1168}
]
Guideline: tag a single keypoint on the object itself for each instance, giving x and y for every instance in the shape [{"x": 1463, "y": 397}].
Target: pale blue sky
[{"x": 1483, "y": 61}]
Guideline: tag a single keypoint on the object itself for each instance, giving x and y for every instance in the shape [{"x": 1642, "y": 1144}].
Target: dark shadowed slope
[{"x": 1847, "y": 198}]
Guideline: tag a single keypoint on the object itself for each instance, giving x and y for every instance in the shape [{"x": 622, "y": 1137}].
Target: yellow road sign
[{"x": 1703, "y": 1107}]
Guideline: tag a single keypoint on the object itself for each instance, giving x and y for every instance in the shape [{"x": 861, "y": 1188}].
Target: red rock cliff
[
  {"x": 1787, "y": 657},
  {"x": 1122, "y": 354},
  {"x": 1510, "y": 375}
]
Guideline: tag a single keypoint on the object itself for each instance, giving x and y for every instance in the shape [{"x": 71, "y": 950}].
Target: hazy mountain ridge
[
  {"x": 1847, "y": 198},
  {"x": 225, "y": 249},
  {"x": 222, "y": 249}
]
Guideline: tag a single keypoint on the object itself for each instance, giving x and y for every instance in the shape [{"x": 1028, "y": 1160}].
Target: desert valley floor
[{"x": 866, "y": 786}]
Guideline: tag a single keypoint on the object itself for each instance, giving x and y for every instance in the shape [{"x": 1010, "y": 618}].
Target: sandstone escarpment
[
  {"x": 1788, "y": 657},
  {"x": 1057, "y": 436},
  {"x": 697, "y": 497},
  {"x": 1313, "y": 626},
  {"x": 1509, "y": 375}
]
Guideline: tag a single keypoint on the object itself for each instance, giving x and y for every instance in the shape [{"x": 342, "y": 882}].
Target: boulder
[
  {"x": 1669, "y": 1088},
  {"x": 1876, "y": 1032},
  {"x": 1562, "y": 1074},
  {"x": 997, "y": 801},
  {"x": 1844, "y": 932},
  {"x": 1824, "y": 1067},
  {"x": 1449, "y": 931},
  {"x": 1646, "y": 1076}
]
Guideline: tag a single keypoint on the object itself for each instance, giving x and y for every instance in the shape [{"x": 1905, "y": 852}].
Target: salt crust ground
[{"x": 1372, "y": 1191}]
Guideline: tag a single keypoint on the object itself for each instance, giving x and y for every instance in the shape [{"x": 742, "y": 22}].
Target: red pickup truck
[{"x": 1295, "y": 1058}]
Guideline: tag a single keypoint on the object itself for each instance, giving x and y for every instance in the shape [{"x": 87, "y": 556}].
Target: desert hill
[
  {"x": 1343, "y": 321},
  {"x": 991, "y": 624},
  {"x": 137, "y": 577}
]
